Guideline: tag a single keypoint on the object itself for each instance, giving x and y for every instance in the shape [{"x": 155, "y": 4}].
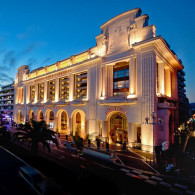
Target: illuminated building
[
  {"x": 7, "y": 102},
  {"x": 108, "y": 90},
  {"x": 183, "y": 105}
]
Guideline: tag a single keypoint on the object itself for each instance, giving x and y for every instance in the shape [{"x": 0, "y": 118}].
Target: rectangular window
[
  {"x": 41, "y": 91},
  {"x": 64, "y": 88},
  {"x": 32, "y": 93},
  {"x": 51, "y": 90},
  {"x": 121, "y": 79},
  {"x": 80, "y": 85}
]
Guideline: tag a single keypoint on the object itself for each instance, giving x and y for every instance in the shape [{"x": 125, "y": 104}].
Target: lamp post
[{"x": 153, "y": 115}]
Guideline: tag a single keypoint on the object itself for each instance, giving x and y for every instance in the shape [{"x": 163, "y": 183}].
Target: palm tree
[
  {"x": 36, "y": 132},
  {"x": 5, "y": 135}
]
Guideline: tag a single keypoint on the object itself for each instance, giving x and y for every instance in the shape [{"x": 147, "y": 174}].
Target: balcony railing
[{"x": 4, "y": 94}]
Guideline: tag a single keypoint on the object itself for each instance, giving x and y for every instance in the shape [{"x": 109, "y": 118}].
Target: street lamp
[{"x": 153, "y": 115}]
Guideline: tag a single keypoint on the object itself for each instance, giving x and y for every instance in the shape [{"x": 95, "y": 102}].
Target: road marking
[
  {"x": 151, "y": 182},
  {"x": 128, "y": 156},
  {"x": 137, "y": 172},
  {"x": 180, "y": 186},
  {"x": 73, "y": 155},
  {"x": 177, "y": 191},
  {"x": 156, "y": 178},
  {"x": 125, "y": 170},
  {"x": 165, "y": 184},
  {"x": 104, "y": 166},
  {"x": 144, "y": 176},
  {"x": 190, "y": 192},
  {"x": 135, "y": 176},
  {"x": 140, "y": 160},
  {"x": 119, "y": 160}
]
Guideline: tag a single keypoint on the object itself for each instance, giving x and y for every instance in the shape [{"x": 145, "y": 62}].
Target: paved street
[{"x": 130, "y": 169}]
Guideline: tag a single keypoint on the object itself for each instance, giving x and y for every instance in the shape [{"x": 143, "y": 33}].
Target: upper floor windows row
[{"x": 59, "y": 87}]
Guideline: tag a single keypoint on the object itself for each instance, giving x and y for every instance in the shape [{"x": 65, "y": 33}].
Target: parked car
[{"x": 38, "y": 182}]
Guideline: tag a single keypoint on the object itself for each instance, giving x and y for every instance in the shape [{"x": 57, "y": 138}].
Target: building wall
[
  {"x": 7, "y": 102},
  {"x": 126, "y": 45}
]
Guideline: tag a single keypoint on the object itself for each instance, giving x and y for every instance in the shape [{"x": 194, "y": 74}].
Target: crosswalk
[{"x": 158, "y": 181}]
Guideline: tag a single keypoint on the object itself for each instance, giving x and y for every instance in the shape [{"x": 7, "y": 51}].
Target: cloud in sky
[
  {"x": 5, "y": 78},
  {"x": 45, "y": 61},
  {"x": 10, "y": 61},
  {"x": 30, "y": 30}
]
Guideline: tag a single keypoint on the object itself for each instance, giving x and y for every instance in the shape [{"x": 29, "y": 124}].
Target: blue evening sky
[{"x": 41, "y": 32}]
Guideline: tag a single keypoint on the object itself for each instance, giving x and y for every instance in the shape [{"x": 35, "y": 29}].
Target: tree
[
  {"x": 78, "y": 142},
  {"x": 36, "y": 132}
]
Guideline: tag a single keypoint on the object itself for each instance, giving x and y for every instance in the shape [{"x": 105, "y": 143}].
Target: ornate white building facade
[{"x": 109, "y": 90}]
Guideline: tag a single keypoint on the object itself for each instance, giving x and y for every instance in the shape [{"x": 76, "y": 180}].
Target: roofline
[
  {"x": 163, "y": 40},
  {"x": 120, "y": 15}
]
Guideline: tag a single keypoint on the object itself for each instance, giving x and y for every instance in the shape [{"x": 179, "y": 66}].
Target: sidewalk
[
  {"x": 147, "y": 156},
  {"x": 131, "y": 157}
]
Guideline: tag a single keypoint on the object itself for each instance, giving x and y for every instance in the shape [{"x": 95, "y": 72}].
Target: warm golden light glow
[
  {"x": 131, "y": 96},
  {"x": 81, "y": 57},
  {"x": 41, "y": 72},
  {"x": 65, "y": 63},
  {"x": 102, "y": 97},
  {"x": 52, "y": 68},
  {"x": 33, "y": 75}
]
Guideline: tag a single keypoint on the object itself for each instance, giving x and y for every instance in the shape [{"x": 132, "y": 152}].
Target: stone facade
[{"x": 110, "y": 90}]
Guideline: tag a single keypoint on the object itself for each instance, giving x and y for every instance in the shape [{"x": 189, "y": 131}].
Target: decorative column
[
  {"x": 70, "y": 126},
  {"x": 131, "y": 133},
  {"x": 27, "y": 94},
  {"x": 168, "y": 82},
  {"x": 57, "y": 90},
  {"x": 132, "y": 76},
  {"x": 104, "y": 129},
  {"x": 104, "y": 81},
  {"x": 71, "y": 87},
  {"x": 45, "y": 91},
  {"x": 161, "y": 78},
  {"x": 149, "y": 100},
  {"x": 109, "y": 81},
  {"x": 36, "y": 93},
  {"x": 24, "y": 88}
]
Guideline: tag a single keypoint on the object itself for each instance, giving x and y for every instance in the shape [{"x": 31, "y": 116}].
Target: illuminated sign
[{"x": 116, "y": 108}]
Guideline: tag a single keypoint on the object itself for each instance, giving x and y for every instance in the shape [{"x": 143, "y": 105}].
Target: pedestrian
[
  {"x": 65, "y": 143},
  {"x": 107, "y": 146},
  {"x": 124, "y": 145}
]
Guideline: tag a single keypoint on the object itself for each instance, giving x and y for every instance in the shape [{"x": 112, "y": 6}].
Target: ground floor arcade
[{"x": 115, "y": 126}]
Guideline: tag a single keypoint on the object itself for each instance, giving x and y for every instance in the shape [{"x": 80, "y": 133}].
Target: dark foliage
[{"x": 36, "y": 132}]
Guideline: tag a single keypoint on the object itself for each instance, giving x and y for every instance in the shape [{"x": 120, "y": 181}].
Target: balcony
[
  {"x": 82, "y": 81},
  {"x": 4, "y": 100},
  {"x": 10, "y": 104},
  {"x": 65, "y": 80},
  {"x": 84, "y": 75},
  {"x": 5, "y": 94}
]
